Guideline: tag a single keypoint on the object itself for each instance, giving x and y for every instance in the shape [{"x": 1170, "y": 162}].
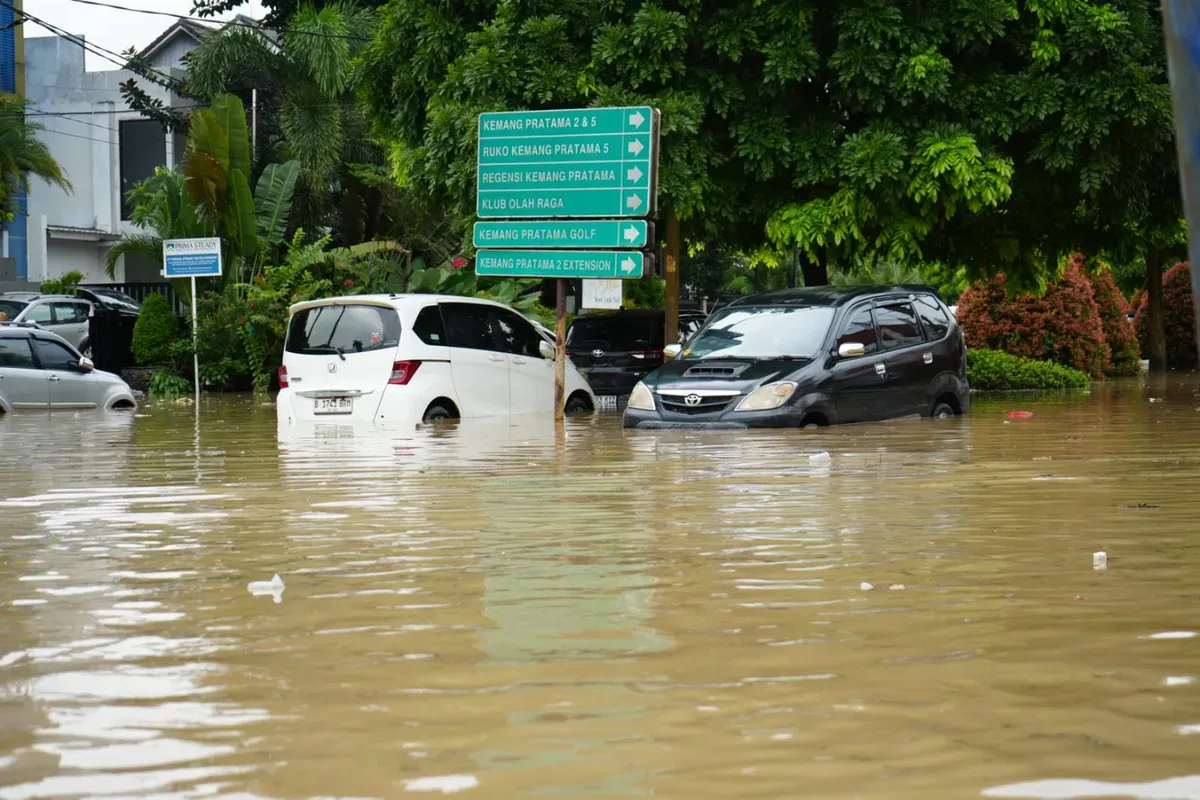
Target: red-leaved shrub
[
  {"x": 1063, "y": 325},
  {"x": 1114, "y": 316},
  {"x": 1178, "y": 320}
]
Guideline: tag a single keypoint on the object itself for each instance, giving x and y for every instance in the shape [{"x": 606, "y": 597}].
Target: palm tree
[
  {"x": 306, "y": 80},
  {"x": 22, "y": 154}
]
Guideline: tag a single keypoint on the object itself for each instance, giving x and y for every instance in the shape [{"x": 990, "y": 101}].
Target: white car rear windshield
[{"x": 343, "y": 329}]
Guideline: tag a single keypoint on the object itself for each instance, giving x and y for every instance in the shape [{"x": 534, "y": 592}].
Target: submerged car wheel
[
  {"x": 577, "y": 404},
  {"x": 942, "y": 411},
  {"x": 437, "y": 412}
]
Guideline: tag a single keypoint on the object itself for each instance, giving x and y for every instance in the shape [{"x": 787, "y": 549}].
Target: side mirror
[
  {"x": 85, "y": 364},
  {"x": 851, "y": 350},
  {"x": 546, "y": 349},
  {"x": 672, "y": 350}
]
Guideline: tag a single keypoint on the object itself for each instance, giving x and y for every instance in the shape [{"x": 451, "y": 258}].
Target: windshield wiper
[{"x": 328, "y": 348}]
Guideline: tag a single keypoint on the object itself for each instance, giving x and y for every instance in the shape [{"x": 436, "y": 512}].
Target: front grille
[{"x": 707, "y": 405}]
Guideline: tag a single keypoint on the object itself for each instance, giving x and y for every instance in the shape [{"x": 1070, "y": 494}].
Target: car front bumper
[{"x": 786, "y": 417}]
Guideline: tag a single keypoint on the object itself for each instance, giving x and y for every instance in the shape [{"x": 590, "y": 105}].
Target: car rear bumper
[{"x": 613, "y": 380}]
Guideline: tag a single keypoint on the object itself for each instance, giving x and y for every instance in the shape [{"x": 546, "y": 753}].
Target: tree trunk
[
  {"x": 815, "y": 274},
  {"x": 1156, "y": 346}
]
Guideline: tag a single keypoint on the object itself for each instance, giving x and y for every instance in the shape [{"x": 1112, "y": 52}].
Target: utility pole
[
  {"x": 1181, "y": 26},
  {"x": 671, "y": 328},
  {"x": 253, "y": 126}
]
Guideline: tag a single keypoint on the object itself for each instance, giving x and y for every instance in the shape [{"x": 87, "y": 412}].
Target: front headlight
[
  {"x": 640, "y": 398},
  {"x": 765, "y": 398}
]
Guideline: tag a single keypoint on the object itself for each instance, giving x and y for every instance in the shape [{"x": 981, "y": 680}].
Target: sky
[{"x": 112, "y": 29}]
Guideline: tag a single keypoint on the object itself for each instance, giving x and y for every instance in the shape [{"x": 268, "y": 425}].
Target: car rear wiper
[{"x": 328, "y": 348}]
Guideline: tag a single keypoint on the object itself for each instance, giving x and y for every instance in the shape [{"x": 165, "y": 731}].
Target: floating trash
[
  {"x": 1099, "y": 560},
  {"x": 273, "y": 587},
  {"x": 866, "y": 587},
  {"x": 1019, "y": 414}
]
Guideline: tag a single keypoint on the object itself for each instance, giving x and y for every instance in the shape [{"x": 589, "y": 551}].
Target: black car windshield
[
  {"x": 11, "y": 308},
  {"x": 115, "y": 295},
  {"x": 762, "y": 332}
]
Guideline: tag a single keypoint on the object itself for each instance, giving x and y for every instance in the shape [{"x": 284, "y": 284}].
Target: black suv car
[
  {"x": 811, "y": 357},
  {"x": 614, "y": 350}
]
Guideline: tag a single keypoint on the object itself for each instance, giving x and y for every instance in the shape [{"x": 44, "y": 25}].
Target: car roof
[
  {"x": 9, "y": 330},
  {"x": 397, "y": 301},
  {"x": 835, "y": 296}
]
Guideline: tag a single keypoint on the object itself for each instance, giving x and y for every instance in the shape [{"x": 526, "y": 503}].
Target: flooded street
[{"x": 906, "y": 610}]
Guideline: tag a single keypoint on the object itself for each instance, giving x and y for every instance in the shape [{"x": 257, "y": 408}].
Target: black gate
[{"x": 110, "y": 335}]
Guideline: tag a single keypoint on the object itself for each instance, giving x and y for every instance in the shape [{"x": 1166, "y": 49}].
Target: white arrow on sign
[
  {"x": 634, "y": 174},
  {"x": 631, "y": 234},
  {"x": 628, "y": 265},
  {"x": 636, "y": 147},
  {"x": 633, "y": 201},
  {"x": 636, "y": 119}
]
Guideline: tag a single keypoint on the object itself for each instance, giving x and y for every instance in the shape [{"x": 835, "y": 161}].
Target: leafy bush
[
  {"x": 993, "y": 370},
  {"x": 64, "y": 285},
  {"x": 1178, "y": 322},
  {"x": 1114, "y": 316},
  {"x": 156, "y": 328},
  {"x": 1063, "y": 325},
  {"x": 168, "y": 384}
]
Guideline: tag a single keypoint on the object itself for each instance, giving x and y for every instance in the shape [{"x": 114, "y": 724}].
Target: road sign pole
[
  {"x": 671, "y": 327},
  {"x": 195, "y": 351},
  {"x": 560, "y": 349}
]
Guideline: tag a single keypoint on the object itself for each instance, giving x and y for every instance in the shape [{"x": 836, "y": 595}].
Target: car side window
[
  {"x": 68, "y": 313},
  {"x": 429, "y": 327},
  {"x": 15, "y": 354},
  {"x": 933, "y": 317},
  {"x": 859, "y": 328},
  {"x": 39, "y": 313},
  {"x": 898, "y": 326},
  {"x": 469, "y": 326},
  {"x": 52, "y": 355},
  {"x": 516, "y": 335}
]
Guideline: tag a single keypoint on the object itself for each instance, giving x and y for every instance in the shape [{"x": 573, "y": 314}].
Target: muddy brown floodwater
[{"x": 479, "y": 610}]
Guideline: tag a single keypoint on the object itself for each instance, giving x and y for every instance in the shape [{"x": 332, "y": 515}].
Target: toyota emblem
[
  {"x": 332, "y": 367},
  {"x": 597, "y": 354},
  {"x": 692, "y": 400}
]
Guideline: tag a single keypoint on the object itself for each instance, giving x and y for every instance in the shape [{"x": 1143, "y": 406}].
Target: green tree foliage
[
  {"x": 305, "y": 77},
  {"x": 992, "y": 134},
  {"x": 22, "y": 154},
  {"x": 211, "y": 196},
  {"x": 155, "y": 330},
  {"x": 64, "y": 285}
]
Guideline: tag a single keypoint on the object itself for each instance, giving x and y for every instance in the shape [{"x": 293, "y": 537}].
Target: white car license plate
[
  {"x": 606, "y": 402},
  {"x": 333, "y": 405}
]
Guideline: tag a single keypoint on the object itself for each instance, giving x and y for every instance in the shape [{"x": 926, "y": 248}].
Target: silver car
[
  {"x": 40, "y": 371},
  {"x": 67, "y": 316}
]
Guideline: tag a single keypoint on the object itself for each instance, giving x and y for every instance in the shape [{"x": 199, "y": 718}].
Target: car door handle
[
  {"x": 495, "y": 357},
  {"x": 518, "y": 360},
  {"x": 927, "y": 358},
  {"x": 881, "y": 370},
  {"x": 54, "y": 379}
]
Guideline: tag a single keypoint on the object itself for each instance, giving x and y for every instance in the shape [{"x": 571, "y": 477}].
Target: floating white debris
[
  {"x": 1172, "y": 635},
  {"x": 273, "y": 587},
  {"x": 819, "y": 458},
  {"x": 896, "y": 587},
  {"x": 1170, "y": 680},
  {"x": 1099, "y": 560},
  {"x": 866, "y": 587},
  {"x": 446, "y": 784}
]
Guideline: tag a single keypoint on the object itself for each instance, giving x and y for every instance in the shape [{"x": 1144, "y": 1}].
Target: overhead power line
[{"x": 234, "y": 23}]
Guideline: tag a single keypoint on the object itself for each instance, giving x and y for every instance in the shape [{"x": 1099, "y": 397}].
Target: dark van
[
  {"x": 614, "y": 350},
  {"x": 810, "y": 358}
]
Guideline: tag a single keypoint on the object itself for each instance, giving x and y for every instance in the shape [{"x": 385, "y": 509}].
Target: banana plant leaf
[
  {"x": 229, "y": 112},
  {"x": 242, "y": 225},
  {"x": 273, "y": 201}
]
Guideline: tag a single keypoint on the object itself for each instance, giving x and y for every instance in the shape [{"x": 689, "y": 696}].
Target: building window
[{"x": 143, "y": 148}]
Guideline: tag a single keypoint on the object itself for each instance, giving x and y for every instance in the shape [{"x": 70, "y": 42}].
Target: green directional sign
[
  {"x": 595, "y": 162},
  {"x": 632, "y": 233},
  {"x": 559, "y": 264}
]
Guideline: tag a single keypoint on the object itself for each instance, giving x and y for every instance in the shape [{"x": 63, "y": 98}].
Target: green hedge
[
  {"x": 155, "y": 329},
  {"x": 992, "y": 370}
]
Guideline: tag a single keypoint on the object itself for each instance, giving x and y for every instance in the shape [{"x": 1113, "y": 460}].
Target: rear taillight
[
  {"x": 647, "y": 355},
  {"x": 283, "y": 381},
  {"x": 402, "y": 372}
]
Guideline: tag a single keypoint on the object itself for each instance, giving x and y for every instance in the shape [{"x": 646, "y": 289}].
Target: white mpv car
[{"x": 410, "y": 358}]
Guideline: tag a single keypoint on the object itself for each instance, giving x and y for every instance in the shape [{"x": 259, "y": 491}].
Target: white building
[{"x": 103, "y": 147}]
